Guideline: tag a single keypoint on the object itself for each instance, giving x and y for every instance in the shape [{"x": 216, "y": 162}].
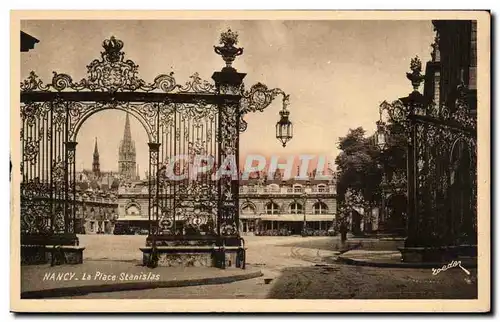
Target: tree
[
  {"x": 361, "y": 165},
  {"x": 359, "y": 174},
  {"x": 357, "y": 165}
]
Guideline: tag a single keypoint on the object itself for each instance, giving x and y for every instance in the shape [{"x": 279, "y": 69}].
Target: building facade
[
  {"x": 96, "y": 212},
  {"x": 266, "y": 208},
  {"x": 133, "y": 203},
  {"x": 287, "y": 207}
]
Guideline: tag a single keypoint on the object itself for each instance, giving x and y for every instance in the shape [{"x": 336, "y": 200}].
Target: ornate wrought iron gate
[
  {"x": 195, "y": 123},
  {"x": 443, "y": 175},
  {"x": 441, "y": 166}
]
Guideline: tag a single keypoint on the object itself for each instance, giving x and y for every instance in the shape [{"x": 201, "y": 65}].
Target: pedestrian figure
[{"x": 343, "y": 232}]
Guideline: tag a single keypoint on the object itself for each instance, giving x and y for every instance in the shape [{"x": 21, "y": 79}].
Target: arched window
[
  {"x": 297, "y": 189},
  {"x": 133, "y": 209},
  {"x": 296, "y": 208},
  {"x": 321, "y": 188},
  {"x": 320, "y": 208},
  {"x": 272, "y": 208},
  {"x": 248, "y": 209}
]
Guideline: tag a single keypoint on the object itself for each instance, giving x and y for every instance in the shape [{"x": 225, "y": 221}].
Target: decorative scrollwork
[
  {"x": 259, "y": 97},
  {"x": 35, "y": 206},
  {"x": 58, "y": 172},
  {"x": 197, "y": 85},
  {"x": 113, "y": 73},
  {"x": 196, "y": 205},
  {"x": 31, "y": 149},
  {"x": 228, "y": 229},
  {"x": 33, "y": 83},
  {"x": 463, "y": 114},
  {"x": 59, "y": 114},
  {"x": 35, "y": 189},
  {"x": 29, "y": 113},
  {"x": 165, "y": 82}
]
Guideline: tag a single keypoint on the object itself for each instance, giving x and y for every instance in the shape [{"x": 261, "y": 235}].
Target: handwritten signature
[{"x": 452, "y": 264}]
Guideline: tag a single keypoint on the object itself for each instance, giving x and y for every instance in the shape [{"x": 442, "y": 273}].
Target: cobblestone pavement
[{"x": 299, "y": 268}]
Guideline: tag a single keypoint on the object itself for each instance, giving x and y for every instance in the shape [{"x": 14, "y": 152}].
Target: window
[
  {"x": 320, "y": 208},
  {"x": 297, "y": 189},
  {"x": 272, "y": 208},
  {"x": 274, "y": 188},
  {"x": 296, "y": 208},
  {"x": 248, "y": 209},
  {"x": 321, "y": 188}
]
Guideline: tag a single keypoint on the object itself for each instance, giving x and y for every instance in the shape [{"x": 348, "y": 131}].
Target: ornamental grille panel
[
  {"x": 190, "y": 120},
  {"x": 445, "y": 178},
  {"x": 441, "y": 163},
  {"x": 197, "y": 122}
]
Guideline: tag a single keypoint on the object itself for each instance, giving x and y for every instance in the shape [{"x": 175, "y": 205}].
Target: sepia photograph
[{"x": 274, "y": 156}]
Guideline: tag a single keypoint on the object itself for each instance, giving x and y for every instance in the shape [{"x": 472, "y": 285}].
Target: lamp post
[
  {"x": 304, "y": 223},
  {"x": 381, "y": 138}
]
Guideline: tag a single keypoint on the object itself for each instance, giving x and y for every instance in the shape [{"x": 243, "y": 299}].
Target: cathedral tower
[
  {"x": 96, "y": 168},
  {"x": 126, "y": 154}
]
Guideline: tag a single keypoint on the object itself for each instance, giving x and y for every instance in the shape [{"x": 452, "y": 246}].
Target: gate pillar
[
  {"x": 153, "y": 191},
  {"x": 228, "y": 82}
]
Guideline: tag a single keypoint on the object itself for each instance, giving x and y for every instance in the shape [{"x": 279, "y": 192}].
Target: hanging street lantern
[
  {"x": 257, "y": 99},
  {"x": 284, "y": 128},
  {"x": 381, "y": 135}
]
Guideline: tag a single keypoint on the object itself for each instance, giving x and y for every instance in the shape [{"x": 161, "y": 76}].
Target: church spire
[
  {"x": 127, "y": 153},
  {"x": 96, "y": 150},
  {"x": 96, "y": 169},
  {"x": 127, "y": 135}
]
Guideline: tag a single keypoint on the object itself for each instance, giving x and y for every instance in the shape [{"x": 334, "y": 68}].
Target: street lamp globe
[{"x": 284, "y": 128}]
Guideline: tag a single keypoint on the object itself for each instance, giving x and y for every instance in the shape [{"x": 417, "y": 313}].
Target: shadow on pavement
[
  {"x": 334, "y": 244},
  {"x": 354, "y": 282}
]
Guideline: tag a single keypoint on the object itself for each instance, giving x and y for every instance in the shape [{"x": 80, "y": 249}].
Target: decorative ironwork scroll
[
  {"x": 114, "y": 73},
  {"x": 446, "y": 171},
  {"x": 257, "y": 99}
]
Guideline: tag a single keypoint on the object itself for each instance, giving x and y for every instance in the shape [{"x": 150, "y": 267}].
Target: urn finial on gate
[
  {"x": 415, "y": 76},
  {"x": 228, "y": 51}
]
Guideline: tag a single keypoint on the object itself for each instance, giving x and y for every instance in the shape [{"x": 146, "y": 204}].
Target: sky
[{"x": 336, "y": 73}]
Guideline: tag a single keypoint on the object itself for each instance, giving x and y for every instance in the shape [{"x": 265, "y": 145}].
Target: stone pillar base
[
  {"x": 49, "y": 254},
  {"x": 200, "y": 250},
  {"x": 172, "y": 256}
]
